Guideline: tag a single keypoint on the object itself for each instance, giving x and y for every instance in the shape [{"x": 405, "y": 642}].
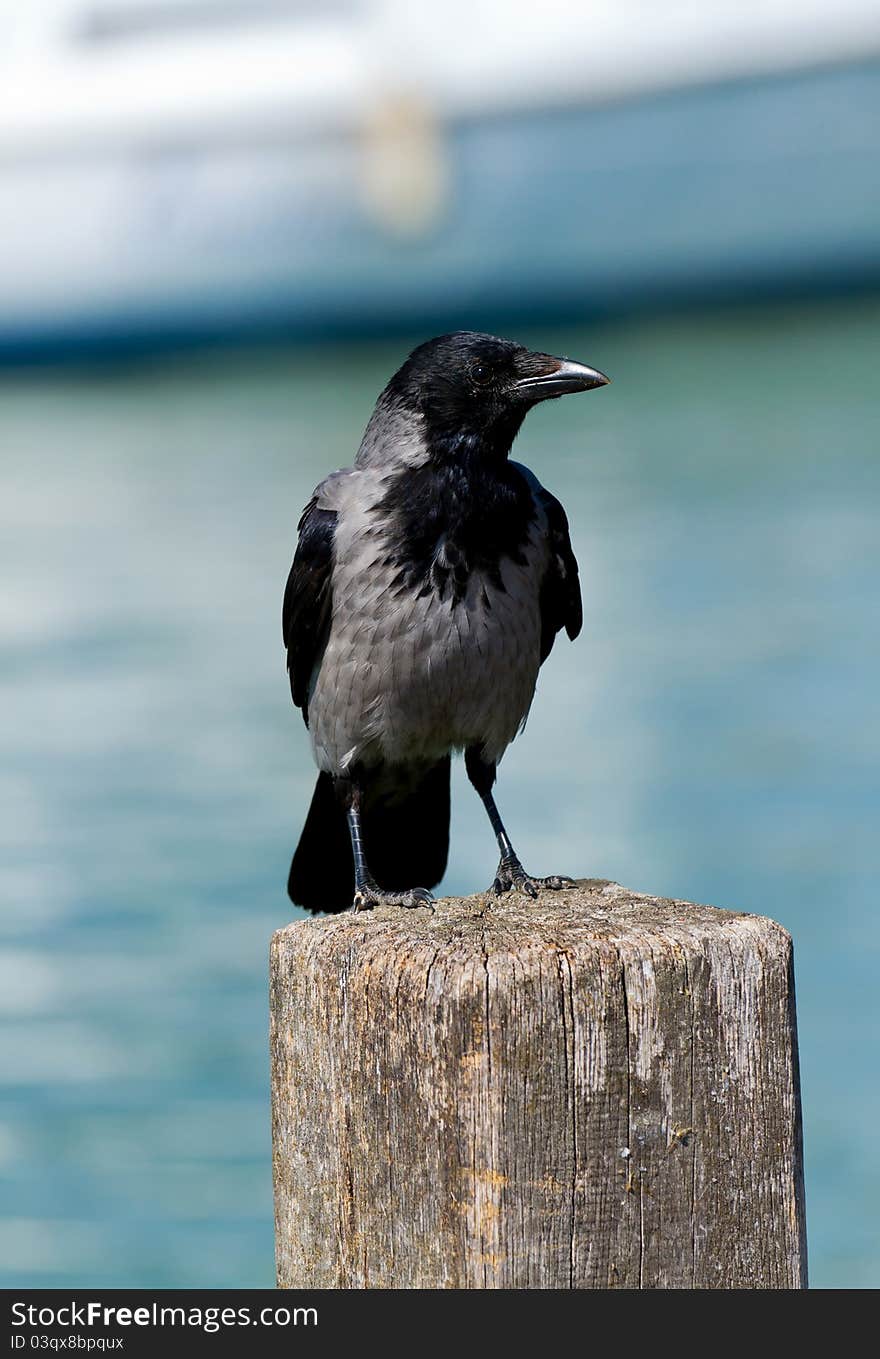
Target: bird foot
[
  {"x": 368, "y": 896},
  {"x": 511, "y": 876}
]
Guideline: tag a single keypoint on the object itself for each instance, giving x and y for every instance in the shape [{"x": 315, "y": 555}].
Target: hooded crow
[{"x": 429, "y": 583}]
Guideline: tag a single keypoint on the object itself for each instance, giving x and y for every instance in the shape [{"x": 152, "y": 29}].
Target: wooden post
[{"x": 595, "y": 1090}]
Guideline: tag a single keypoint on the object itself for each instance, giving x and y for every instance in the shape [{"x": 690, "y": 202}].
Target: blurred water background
[{"x": 713, "y": 734}]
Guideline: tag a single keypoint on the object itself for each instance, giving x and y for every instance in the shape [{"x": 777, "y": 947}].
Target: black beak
[{"x": 558, "y": 377}]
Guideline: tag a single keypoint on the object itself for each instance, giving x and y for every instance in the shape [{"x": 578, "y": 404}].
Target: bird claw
[
  {"x": 511, "y": 876},
  {"x": 365, "y": 898}
]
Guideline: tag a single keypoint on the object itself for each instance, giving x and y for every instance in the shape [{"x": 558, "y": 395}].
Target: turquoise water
[{"x": 712, "y": 735}]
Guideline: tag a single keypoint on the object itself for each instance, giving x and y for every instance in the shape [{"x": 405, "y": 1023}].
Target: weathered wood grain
[{"x": 595, "y": 1090}]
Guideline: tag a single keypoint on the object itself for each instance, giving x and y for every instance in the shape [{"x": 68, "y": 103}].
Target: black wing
[
  {"x": 561, "y": 605},
  {"x": 308, "y": 598}
]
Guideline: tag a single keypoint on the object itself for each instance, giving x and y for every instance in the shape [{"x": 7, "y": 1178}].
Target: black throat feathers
[{"x": 453, "y": 516}]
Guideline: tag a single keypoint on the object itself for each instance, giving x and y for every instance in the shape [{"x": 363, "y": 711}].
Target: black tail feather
[
  {"x": 322, "y": 872},
  {"x": 406, "y": 840}
]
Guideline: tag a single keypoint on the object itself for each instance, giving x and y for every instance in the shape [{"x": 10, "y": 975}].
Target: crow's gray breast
[{"x": 417, "y": 663}]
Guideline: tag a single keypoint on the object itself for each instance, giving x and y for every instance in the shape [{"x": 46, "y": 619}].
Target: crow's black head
[{"x": 478, "y": 388}]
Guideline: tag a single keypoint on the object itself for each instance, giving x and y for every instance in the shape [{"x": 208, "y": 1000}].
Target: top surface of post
[{"x": 594, "y": 909}]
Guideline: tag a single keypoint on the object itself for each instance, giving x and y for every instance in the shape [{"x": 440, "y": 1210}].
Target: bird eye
[{"x": 480, "y": 373}]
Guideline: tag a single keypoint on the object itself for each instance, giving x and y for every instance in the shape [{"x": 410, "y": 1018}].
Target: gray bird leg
[
  {"x": 367, "y": 893},
  {"x": 510, "y": 875}
]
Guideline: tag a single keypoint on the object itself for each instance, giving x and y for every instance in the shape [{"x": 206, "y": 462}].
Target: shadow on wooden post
[{"x": 597, "y": 1090}]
